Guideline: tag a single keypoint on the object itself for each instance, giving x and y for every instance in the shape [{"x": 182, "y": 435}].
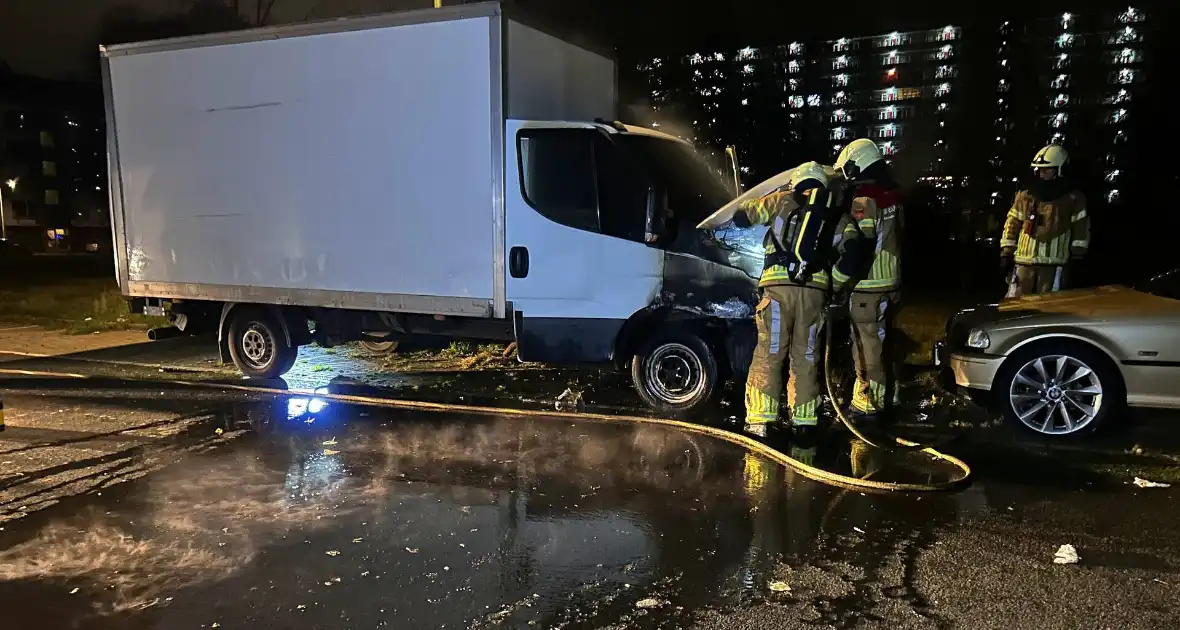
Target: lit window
[
  {"x": 944, "y": 72},
  {"x": 887, "y": 113},
  {"x": 945, "y": 52},
  {"x": 796, "y": 101},
  {"x": 840, "y": 80},
  {"x": 1127, "y": 55},
  {"x": 1004, "y": 62},
  {"x": 1118, "y": 116},
  {"x": 52, "y": 198},
  {"x": 718, "y": 57},
  {"x": 794, "y": 84},
  {"x": 1058, "y": 120},
  {"x": 840, "y": 116},
  {"x": 887, "y": 131},
  {"x": 888, "y": 148},
  {"x": 1112, "y": 195},
  {"x": 943, "y": 89},
  {"x": 1066, "y": 18},
  {"x": 889, "y": 95},
  {"x": 1126, "y": 35},
  {"x": 1113, "y": 176},
  {"x": 892, "y": 39},
  {"x": 838, "y": 133},
  {"x": 1062, "y": 61},
  {"x": 1061, "y": 82},
  {"x": 1065, "y": 40},
  {"x": 890, "y": 59},
  {"x": 1061, "y": 100},
  {"x": 745, "y": 101},
  {"x": 942, "y": 107},
  {"x": 1120, "y": 137},
  {"x": 815, "y": 100},
  {"x": 840, "y": 45},
  {"x": 840, "y": 62},
  {"x": 747, "y": 69},
  {"x": 696, "y": 59},
  {"x": 46, "y": 139},
  {"x": 1130, "y": 16},
  {"x": 891, "y": 74},
  {"x": 657, "y": 62},
  {"x": 793, "y": 67},
  {"x": 49, "y": 168},
  {"x": 1125, "y": 76},
  {"x": 745, "y": 53},
  {"x": 947, "y": 33},
  {"x": 841, "y": 98},
  {"x": 1122, "y": 96},
  {"x": 795, "y": 48}
]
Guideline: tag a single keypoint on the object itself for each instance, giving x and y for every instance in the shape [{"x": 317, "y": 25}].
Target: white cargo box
[{"x": 354, "y": 163}]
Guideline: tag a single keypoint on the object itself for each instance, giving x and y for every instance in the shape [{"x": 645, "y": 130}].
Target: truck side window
[
  {"x": 557, "y": 175},
  {"x": 622, "y": 191}
]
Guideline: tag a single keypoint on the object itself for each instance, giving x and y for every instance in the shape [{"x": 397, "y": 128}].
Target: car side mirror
[{"x": 658, "y": 217}]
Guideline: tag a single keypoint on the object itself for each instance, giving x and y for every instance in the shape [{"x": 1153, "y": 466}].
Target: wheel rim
[
  {"x": 1056, "y": 394},
  {"x": 258, "y": 346},
  {"x": 675, "y": 374}
]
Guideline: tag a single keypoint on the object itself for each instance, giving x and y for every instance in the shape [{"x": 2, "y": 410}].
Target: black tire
[
  {"x": 1103, "y": 377},
  {"x": 376, "y": 348},
  {"x": 692, "y": 386},
  {"x": 257, "y": 344}
]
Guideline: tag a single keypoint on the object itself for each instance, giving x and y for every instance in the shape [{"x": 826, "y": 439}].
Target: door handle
[{"x": 518, "y": 262}]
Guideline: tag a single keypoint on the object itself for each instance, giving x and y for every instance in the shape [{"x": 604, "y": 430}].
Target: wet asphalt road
[
  {"x": 291, "y": 512},
  {"x": 136, "y": 504}
]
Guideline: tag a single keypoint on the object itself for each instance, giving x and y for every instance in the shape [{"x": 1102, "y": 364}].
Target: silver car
[{"x": 1061, "y": 364}]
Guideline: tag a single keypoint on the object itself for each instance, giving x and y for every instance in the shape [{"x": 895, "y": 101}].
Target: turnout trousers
[
  {"x": 870, "y": 317},
  {"x": 789, "y": 319}
]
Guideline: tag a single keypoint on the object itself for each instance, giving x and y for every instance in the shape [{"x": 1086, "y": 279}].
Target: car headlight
[{"x": 978, "y": 339}]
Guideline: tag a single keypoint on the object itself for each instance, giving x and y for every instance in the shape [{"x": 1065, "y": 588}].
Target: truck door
[{"x": 577, "y": 267}]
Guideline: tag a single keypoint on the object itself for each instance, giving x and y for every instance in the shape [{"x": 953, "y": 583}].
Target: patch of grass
[
  {"x": 920, "y": 324},
  {"x": 77, "y": 306}
]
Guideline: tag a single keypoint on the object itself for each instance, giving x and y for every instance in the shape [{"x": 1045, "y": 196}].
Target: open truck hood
[{"x": 725, "y": 214}]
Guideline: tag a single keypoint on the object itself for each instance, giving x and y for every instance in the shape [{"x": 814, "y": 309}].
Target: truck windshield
[{"x": 694, "y": 189}]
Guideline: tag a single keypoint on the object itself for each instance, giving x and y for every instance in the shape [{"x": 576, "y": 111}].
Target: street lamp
[{"x": 3, "y": 223}]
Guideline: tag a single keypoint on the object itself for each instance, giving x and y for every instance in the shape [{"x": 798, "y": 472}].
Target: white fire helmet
[
  {"x": 809, "y": 170},
  {"x": 857, "y": 156},
  {"x": 1052, "y": 156}
]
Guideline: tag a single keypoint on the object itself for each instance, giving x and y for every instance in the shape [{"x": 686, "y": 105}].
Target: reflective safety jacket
[
  {"x": 876, "y": 208},
  {"x": 1046, "y": 231},
  {"x": 782, "y": 244}
]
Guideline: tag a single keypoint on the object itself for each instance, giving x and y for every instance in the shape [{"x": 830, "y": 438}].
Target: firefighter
[
  {"x": 1046, "y": 228},
  {"x": 790, "y": 315},
  {"x": 873, "y": 232}
]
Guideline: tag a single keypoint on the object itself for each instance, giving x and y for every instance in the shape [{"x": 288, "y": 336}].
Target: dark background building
[{"x": 53, "y": 164}]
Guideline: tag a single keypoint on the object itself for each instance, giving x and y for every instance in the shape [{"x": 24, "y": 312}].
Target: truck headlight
[{"x": 978, "y": 339}]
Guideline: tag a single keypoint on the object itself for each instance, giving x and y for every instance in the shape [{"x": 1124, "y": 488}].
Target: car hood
[{"x": 1088, "y": 304}]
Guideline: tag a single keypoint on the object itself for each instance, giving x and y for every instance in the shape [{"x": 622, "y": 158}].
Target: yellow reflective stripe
[
  {"x": 839, "y": 277},
  {"x": 1055, "y": 251},
  {"x": 760, "y": 408},
  {"x": 776, "y": 272},
  {"x": 1007, "y": 243},
  {"x": 1013, "y": 213},
  {"x": 805, "y": 414},
  {"x": 866, "y": 223},
  {"x": 812, "y": 196},
  {"x": 802, "y": 231},
  {"x": 868, "y": 396},
  {"x": 1080, "y": 243}
]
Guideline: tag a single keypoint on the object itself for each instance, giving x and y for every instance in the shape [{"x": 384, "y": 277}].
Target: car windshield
[{"x": 1166, "y": 285}]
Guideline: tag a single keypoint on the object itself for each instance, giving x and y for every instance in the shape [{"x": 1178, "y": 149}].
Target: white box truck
[{"x": 439, "y": 172}]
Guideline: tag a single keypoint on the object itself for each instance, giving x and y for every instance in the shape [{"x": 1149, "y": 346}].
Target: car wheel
[
  {"x": 257, "y": 344},
  {"x": 1059, "y": 389},
  {"x": 676, "y": 374}
]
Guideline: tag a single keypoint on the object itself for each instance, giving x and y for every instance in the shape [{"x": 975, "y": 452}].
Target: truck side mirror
[{"x": 658, "y": 217}]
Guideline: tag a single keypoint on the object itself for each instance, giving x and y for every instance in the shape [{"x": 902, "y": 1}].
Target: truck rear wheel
[
  {"x": 677, "y": 374},
  {"x": 258, "y": 346}
]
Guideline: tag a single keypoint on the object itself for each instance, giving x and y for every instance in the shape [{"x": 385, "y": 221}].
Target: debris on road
[
  {"x": 779, "y": 586},
  {"x": 1066, "y": 554},
  {"x": 332, "y": 553},
  {"x": 331, "y": 442},
  {"x": 1144, "y": 483},
  {"x": 649, "y": 602}
]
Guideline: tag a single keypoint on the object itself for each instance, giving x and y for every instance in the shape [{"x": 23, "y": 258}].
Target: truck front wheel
[
  {"x": 258, "y": 346},
  {"x": 676, "y": 374}
]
